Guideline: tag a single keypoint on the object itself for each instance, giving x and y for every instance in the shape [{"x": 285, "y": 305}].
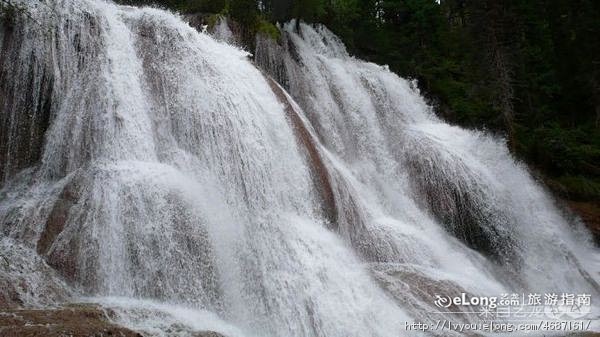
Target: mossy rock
[{"x": 268, "y": 29}]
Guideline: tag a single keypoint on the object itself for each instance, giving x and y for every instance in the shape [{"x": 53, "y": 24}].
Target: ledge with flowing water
[{"x": 158, "y": 172}]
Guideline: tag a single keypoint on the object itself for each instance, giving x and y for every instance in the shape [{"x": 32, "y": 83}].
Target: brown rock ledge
[
  {"x": 589, "y": 212},
  {"x": 73, "y": 320}
]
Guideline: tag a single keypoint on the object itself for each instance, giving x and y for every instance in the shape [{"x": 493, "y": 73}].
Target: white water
[
  {"x": 412, "y": 169},
  {"x": 222, "y": 32},
  {"x": 182, "y": 195}
]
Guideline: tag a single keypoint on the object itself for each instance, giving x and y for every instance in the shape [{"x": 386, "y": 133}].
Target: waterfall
[{"x": 155, "y": 170}]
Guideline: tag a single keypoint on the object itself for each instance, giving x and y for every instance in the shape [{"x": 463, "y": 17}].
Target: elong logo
[{"x": 443, "y": 301}]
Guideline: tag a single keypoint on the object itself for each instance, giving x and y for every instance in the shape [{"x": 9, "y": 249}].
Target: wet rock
[
  {"x": 220, "y": 27},
  {"x": 589, "y": 212},
  {"x": 63, "y": 258},
  {"x": 199, "y": 20},
  {"x": 207, "y": 334},
  {"x": 413, "y": 289},
  {"x": 74, "y": 320},
  {"x": 9, "y": 296},
  {"x": 26, "y": 279},
  {"x": 459, "y": 199},
  {"x": 319, "y": 170},
  {"x": 25, "y": 100},
  {"x": 181, "y": 330},
  {"x": 57, "y": 218}
]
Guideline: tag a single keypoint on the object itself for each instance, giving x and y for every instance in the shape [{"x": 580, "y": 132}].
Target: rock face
[
  {"x": 219, "y": 26},
  {"x": 590, "y": 215},
  {"x": 323, "y": 183},
  {"x": 76, "y": 320},
  {"x": 208, "y": 334},
  {"x": 26, "y": 279},
  {"x": 25, "y": 106},
  {"x": 397, "y": 280}
]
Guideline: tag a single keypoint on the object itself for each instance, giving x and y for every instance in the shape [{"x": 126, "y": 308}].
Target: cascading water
[
  {"x": 160, "y": 173},
  {"x": 425, "y": 195}
]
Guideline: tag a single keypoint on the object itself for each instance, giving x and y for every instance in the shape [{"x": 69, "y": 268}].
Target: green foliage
[
  {"x": 267, "y": 28},
  {"x": 205, "y": 6},
  {"x": 245, "y": 12},
  {"x": 579, "y": 187},
  {"x": 564, "y": 150},
  {"x": 213, "y": 20},
  {"x": 309, "y": 10}
]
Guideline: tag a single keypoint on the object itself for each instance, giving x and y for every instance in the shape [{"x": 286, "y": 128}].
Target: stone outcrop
[
  {"x": 74, "y": 320},
  {"x": 317, "y": 165},
  {"x": 589, "y": 212},
  {"x": 26, "y": 280},
  {"x": 25, "y": 106}
]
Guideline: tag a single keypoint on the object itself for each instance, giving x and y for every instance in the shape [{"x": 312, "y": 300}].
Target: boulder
[{"x": 74, "y": 320}]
